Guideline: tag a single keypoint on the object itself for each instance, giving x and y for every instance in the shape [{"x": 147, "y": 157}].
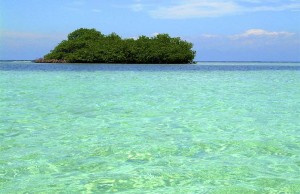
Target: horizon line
[{"x": 197, "y": 61}]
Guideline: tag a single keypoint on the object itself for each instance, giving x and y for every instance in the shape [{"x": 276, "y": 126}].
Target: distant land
[
  {"x": 91, "y": 46},
  {"x": 194, "y": 62}
]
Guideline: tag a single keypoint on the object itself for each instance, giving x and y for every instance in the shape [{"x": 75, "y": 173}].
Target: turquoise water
[{"x": 204, "y": 128}]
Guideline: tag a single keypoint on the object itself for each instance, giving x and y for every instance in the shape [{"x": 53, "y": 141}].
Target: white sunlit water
[{"x": 204, "y": 128}]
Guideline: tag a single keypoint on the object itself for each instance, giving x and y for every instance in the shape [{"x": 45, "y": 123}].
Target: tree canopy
[{"x": 91, "y": 46}]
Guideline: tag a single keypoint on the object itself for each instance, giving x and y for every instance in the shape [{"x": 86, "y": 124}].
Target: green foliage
[{"x": 90, "y": 46}]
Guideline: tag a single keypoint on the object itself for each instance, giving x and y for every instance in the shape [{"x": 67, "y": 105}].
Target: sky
[{"x": 221, "y": 30}]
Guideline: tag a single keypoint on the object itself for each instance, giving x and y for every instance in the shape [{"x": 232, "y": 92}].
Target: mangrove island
[{"x": 91, "y": 46}]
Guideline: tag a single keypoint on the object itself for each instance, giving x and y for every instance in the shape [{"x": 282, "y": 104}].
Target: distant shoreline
[{"x": 33, "y": 60}]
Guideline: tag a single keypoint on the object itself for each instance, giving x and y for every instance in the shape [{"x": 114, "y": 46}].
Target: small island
[{"x": 91, "y": 46}]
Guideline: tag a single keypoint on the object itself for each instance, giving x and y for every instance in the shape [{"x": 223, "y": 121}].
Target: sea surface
[{"x": 211, "y": 127}]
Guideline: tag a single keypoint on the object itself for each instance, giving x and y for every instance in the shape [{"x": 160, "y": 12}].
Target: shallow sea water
[{"x": 204, "y": 128}]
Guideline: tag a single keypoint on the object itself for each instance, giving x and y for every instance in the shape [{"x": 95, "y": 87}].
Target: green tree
[{"x": 90, "y": 46}]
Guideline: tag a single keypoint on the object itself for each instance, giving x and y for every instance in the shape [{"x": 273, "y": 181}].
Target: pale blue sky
[{"x": 221, "y": 30}]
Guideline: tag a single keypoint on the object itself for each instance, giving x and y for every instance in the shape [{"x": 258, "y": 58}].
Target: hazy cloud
[
  {"x": 253, "y": 44},
  {"x": 251, "y": 37},
  {"x": 17, "y": 44},
  {"x": 182, "y": 9},
  {"x": 139, "y": 5},
  {"x": 261, "y": 33},
  {"x": 208, "y": 36},
  {"x": 96, "y": 10},
  {"x": 192, "y": 9},
  {"x": 27, "y": 35}
]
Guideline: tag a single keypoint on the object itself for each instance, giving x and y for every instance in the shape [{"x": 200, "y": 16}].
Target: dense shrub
[{"x": 90, "y": 46}]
